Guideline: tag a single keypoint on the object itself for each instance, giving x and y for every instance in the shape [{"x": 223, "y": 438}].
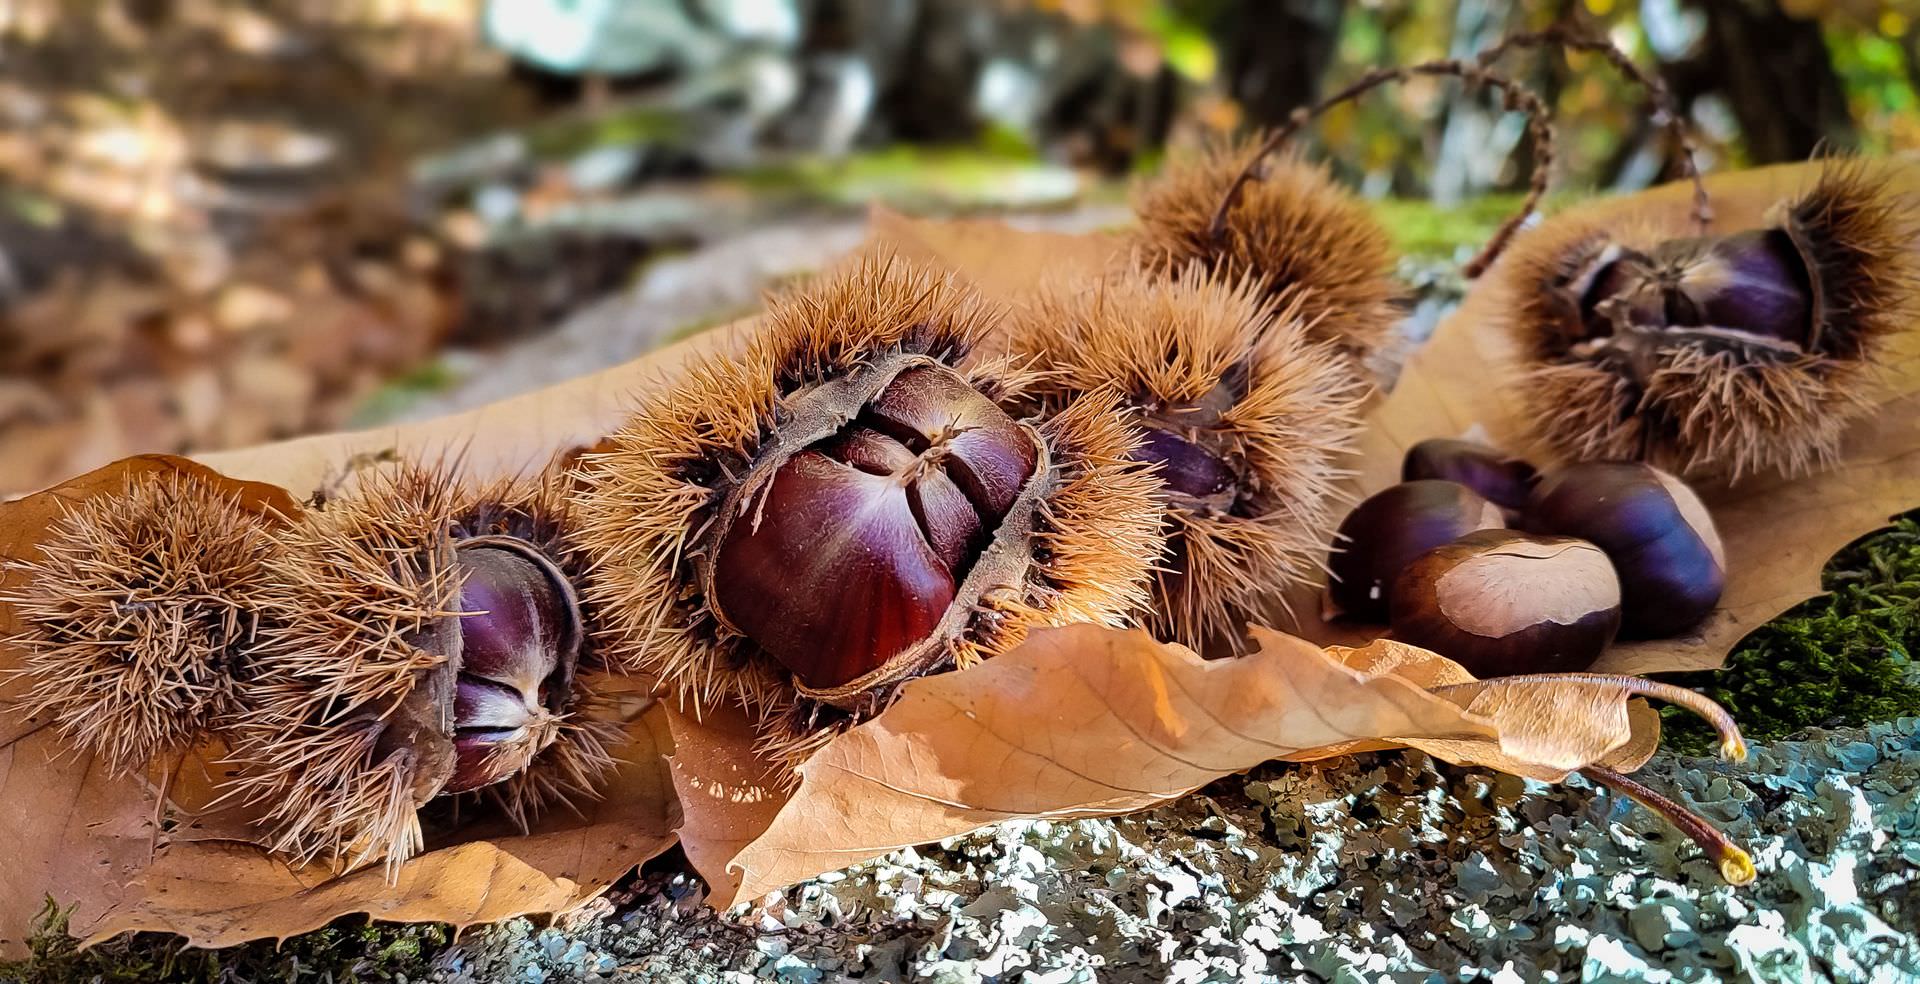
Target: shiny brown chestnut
[
  {"x": 858, "y": 549},
  {"x": 1653, "y": 527},
  {"x": 1502, "y": 602},
  {"x": 1502, "y": 478},
  {"x": 520, "y": 636},
  {"x": 1391, "y": 528}
]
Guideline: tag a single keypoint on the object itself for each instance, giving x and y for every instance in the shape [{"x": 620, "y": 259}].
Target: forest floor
[{"x": 1377, "y": 867}]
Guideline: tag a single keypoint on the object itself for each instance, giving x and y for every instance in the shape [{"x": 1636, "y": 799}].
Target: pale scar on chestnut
[{"x": 858, "y": 547}]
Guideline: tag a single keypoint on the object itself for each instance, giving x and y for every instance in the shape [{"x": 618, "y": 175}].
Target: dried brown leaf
[
  {"x": 729, "y": 792},
  {"x": 1001, "y": 261},
  {"x": 1086, "y": 721},
  {"x": 222, "y": 892}
]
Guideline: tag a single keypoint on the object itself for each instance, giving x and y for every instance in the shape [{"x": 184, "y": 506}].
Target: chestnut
[
  {"x": 1502, "y": 602},
  {"x": 1503, "y": 479},
  {"x": 1655, "y": 530},
  {"x": 1384, "y": 534},
  {"x": 861, "y": 543},
  {"x": 520, "y": 635}
]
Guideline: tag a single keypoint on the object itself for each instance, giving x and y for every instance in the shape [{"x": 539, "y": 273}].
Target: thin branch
[
  {"x": 1571, "y": 38},
  {"x": 1476, "y": 75}
]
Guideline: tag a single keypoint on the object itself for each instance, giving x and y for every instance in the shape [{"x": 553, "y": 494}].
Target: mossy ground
[
  {"x": 349, "y": 951},
  {"x": 1840, "y": 660}
]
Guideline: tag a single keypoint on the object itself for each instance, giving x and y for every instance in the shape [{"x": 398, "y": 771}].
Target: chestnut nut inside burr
[
  {"x": 1501, "y": 602},
  {"x": 856, "y": 550},
  {"x": 1653, "y": 527},
  {"x": 1750, "y": 287},
  {"x": 1387, "y": 531},
  {"x": 1504, "y": 480},
  {"x": 519, "y": 641}
]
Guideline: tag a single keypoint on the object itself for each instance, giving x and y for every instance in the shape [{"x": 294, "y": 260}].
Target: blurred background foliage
[{"x": 226, "y": 222}]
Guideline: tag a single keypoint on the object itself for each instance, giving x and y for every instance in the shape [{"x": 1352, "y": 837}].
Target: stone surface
[{"x": 1387, "y": 867}]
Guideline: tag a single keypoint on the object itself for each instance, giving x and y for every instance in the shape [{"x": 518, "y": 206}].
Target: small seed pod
[
  {"x": 1717, "y": 355},
  {"x": 846, "y": 506},
  {"x": 1502, "y": 603},
  {"x": 1654, "y": 528},
  {"x": 1297, "y": 232},
  {"x": 1504, "y": 480},
  {"x": 137, "y": 615},
  {"x": 1387, "y": 531},
  {"x": 416, "y": 641},
  {"x": 1244, "y": 416}
]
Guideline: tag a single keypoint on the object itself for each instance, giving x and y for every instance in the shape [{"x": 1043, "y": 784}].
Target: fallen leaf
[
  {"x": 1088, "y": 721},
  {"x": 512, "y": 437},
  {"x": 222, "y": 892},
  {"x": 729, "y": 794},
  {"x": 1779, "y": 533},
  {"x": 1002, "y": 262}
]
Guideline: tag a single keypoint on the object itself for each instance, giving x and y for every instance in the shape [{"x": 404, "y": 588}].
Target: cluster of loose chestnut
[{"x": 1478, "y": 557}]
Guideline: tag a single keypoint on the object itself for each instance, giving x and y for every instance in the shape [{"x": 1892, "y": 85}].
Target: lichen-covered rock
[{"x": 1375, "y": 868}]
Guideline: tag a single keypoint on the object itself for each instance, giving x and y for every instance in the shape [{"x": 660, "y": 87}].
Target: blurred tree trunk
[
  {"x": 1273, "y": 53},
  {"x": 1775, "y": 74}
]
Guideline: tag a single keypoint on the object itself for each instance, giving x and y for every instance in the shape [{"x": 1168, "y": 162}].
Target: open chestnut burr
[
  {"x": 416, "y": 640},
  {"x": 1243, "y": 415},
  {"x": 849, "y": 504},
  {"x": 1718, "y": 355}
]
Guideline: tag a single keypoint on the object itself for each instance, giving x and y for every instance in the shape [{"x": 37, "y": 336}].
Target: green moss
[
  {"x": 567, "y": 136},
  {"x": 1844, "y": 658},
  {"x": 1000, "y": 173},
  {"x": 348, "y": 950},
  {"x": 402, "y": 391}
]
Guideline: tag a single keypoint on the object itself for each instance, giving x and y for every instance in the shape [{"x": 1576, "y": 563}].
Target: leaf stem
[
  {"x": 1733, "y": 747},
  {"x": 1736, "y": 865}
]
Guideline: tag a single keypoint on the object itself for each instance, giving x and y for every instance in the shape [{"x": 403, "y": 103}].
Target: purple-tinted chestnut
[
  {"x": 1502, "y": 602},
  {"x": 520, "y": 637},
  {"x": 1653, "y": 527},
  {"x": 1384, "y": 534},
  {"x": 1503, "y": 479}
]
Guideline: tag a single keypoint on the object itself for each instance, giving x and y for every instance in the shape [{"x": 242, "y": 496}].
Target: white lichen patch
[{"x": 1374, "y": 868}]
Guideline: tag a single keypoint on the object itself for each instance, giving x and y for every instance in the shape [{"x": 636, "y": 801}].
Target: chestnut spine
[{"x": 137, "y": 617}]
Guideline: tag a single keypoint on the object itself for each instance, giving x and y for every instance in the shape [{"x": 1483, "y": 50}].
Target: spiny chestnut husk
[
  {"x": 1501, "y": 603},
  {"x": 1245, "y": 417},
  {"x": 137, "y": 616},
  {"x": 1654, "y": 528},
  {"x": 1387, "y": 531},
  {"x": 846, "y": 506},
  {"x": 1501, "y": 478},
  {"x": 1296, "y": 231},
  {"x": 1716, "y": 355},
  {"x": 416, "y": 641}
]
